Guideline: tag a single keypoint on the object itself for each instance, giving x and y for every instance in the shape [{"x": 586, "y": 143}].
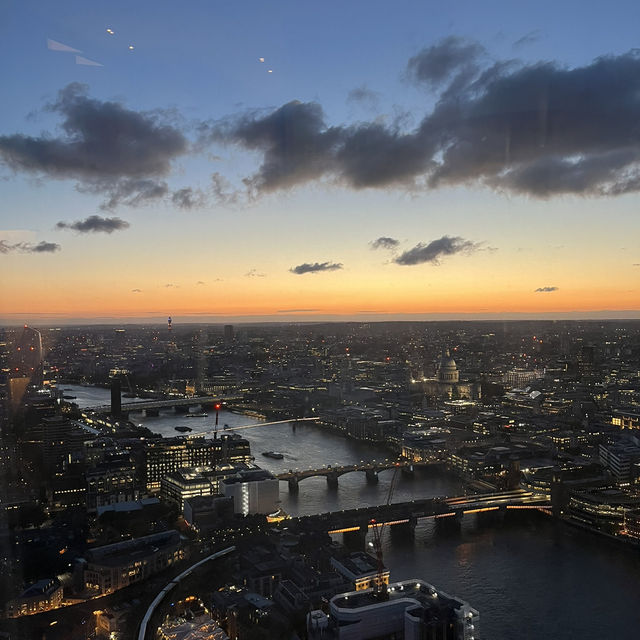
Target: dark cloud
[
  {"x": 539, "y": 130},
  {"x": 136, "y": 290},
  {"x": 364, "y": 97},
  {"x": 200, "y": 283},
  {"x": 545, "y": 289},
  {"x": 222, "y": 190},
  {"x": 188, "y": 198},
  {"x": 95, "y": 224},
  {"x": 435, "y": 250},
  {"x": 298, "y": 147},
  {"x": 296, "y": 144},
  {"x": 43, "y": 247},
  {"x": 383, "y": 242},
  {"x": 450, "y": 57},
  {"x": 170, "y": 285},
  {"x": 104, "y": 146},
  {"x": 543, "y": 130},
  {"x": 28, "y": 247},
  {"x": 315, "y": 267},
  {"x": 375, "y": 155},
  {"x": 528, "y": 38},
  {"x": 133, "y": 193},
  {"x": 298, "y": 310}
]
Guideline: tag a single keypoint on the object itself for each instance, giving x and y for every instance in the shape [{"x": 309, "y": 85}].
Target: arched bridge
[{"x": 371, "y": 469}]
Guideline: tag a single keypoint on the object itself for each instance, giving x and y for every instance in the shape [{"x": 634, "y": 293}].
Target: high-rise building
[
  {"x": 27, "y": 356},
  {"x": 25, "y": 365},
  {"x": 228, "y": 333},
  {"x": 4, "y": 378},
  {"x": 116, "y": 398},
  {"x": 111, "y": 482}
]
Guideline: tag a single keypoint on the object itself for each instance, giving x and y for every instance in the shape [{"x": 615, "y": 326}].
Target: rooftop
[{"x": 422, "y": 592}]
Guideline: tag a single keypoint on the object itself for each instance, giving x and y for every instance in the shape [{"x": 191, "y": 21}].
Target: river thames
[{"x": 529, "y": 577}]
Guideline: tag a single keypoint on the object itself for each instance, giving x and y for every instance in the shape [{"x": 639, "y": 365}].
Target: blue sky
[{"x": 199, "y": 63}]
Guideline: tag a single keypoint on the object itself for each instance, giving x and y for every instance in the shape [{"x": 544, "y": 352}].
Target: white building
[
  {"x": 411, "y": 609},
  {"x": 253, "y": 491}
]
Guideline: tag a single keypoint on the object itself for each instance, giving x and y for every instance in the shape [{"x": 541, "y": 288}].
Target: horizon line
[{"x": 51, "y": 319}]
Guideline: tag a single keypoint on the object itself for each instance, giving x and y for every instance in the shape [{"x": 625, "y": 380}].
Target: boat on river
[
  {"x": 183, "y": 429},
  {"x": 273, "y": 454}
]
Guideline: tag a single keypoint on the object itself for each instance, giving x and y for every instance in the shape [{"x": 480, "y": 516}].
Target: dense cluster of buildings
[{"x": 550, "y": 407}]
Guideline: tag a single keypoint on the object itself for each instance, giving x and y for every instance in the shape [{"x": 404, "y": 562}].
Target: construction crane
[{"x": 380, "y": 586}]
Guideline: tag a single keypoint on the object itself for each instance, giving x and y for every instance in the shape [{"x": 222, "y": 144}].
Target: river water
[{"x": 530, "y": 577}]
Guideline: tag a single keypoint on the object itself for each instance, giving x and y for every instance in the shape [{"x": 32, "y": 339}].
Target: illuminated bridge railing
[{"x": 411, "y": 512}]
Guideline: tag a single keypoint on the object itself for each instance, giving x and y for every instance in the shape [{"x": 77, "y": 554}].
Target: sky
[{"x": 297, "y": 161}]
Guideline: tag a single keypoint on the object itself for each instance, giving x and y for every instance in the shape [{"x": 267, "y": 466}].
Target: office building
[
  {"x": 206, "y": 513},
  {"x": 115, "y": 566},
  {"x": 253, "y": 491},
  {"x": 184, "y": 484},
  {"x": 111, "y": 482},
  {"x": 618, "y": 458},
  {"x": 116, "y": 398},
  {"x": 168, "y": 455}
]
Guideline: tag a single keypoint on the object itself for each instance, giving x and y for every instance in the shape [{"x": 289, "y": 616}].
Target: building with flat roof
[
  {"x": 167, "y": 455},
  {"x": 361, "y": 570},
  {"x": 253, "y": 491},
  {"x": 205, "y": 513},
  {"x": 111, "y": 482},
  {"x": 115, "y": 566},
  {"x": 184, "y": 484},
  {"x": 619, "y": 459},
  {"x": 411, "y": 609}
]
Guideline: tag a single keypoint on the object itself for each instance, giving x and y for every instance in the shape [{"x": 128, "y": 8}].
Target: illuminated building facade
[
  {"x": 361, "y": 570},
  {"x": 40, "y": 596},
  {"x": 447, "y": 383},
  {"x": 115, "y": 566},
  {"x": 411, "y": 609},
  {"x": 169, "y": 455},
  {"x": 111, "y": 483}
]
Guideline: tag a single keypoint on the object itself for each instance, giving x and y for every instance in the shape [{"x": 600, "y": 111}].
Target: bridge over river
[
  {"x": 332, "y": 473},
  {"x": 408, "y": 513},
  {"x": 181, "y": 405}
]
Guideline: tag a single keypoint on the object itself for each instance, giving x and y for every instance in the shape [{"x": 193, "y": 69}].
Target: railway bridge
[
  {"x": 180, "y": 405},
  {"x": 407, "y": 514}
]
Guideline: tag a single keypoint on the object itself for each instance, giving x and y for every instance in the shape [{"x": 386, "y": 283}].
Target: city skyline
[{"x": 250, "y": 164}]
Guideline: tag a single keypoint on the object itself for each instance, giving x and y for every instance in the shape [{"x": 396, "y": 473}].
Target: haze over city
[{"x": 252, "y": 162}]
